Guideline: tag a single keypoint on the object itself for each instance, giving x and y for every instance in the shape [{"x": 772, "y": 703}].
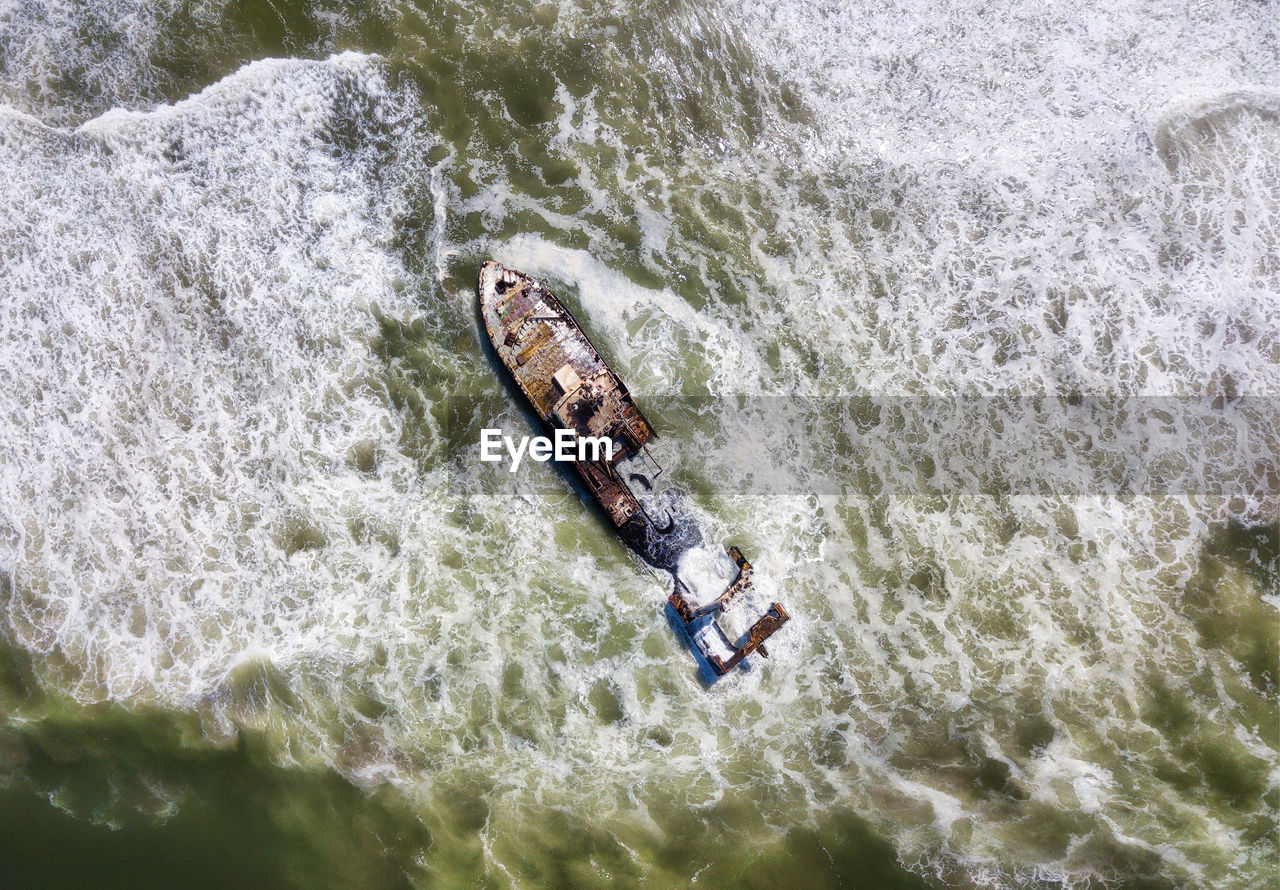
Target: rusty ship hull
[{"x": 570, "y": 386}]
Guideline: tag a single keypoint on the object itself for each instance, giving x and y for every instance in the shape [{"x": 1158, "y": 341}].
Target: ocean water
[{"x": 886, "y": 277}]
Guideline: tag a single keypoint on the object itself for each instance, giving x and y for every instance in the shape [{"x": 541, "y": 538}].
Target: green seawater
[{"x": 959, "y": 321}]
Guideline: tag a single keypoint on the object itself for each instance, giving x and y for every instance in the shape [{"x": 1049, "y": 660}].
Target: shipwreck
[{"x": 571, "y": 387}]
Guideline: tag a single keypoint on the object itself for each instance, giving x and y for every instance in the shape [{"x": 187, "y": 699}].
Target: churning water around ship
[{"x": 258, "y": 597}]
